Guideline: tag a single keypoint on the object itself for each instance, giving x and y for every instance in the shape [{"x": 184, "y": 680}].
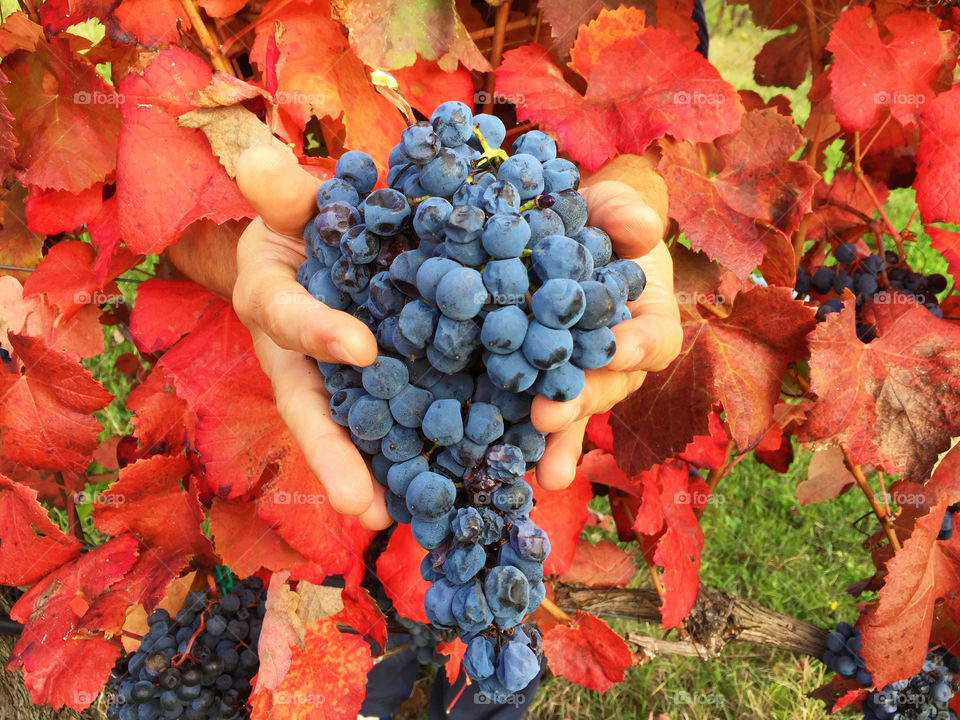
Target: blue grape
[
  {"x": 402, "y": 474},
  {"x": 469, "y": 605},
  {"x": 597, "y": 243},
  {"x": 322, "y": 288},
  {"x": 463, "y": 562},
  {"x": 430, "y": 496},
  {"x": 332, "y": 221},
  {"x": 460, "y": 293},
  {"x": 453, "y": 122},
  {"x": 442, "y": 423},
  {"x": 403, "y": 271},
  {"x": 467, "y": 525},
  {"x": 505, "y": 235},
  {"x": 458, "y": 386},
  {"x": 384, "y": 298},
  {"x": 484, "y": 423},
  {"x": 845, "y": 253},
  {"x": 525, "y": 173},
  {"x": 600, "y": 305},
  {"x": 464, "y": 224},
  {"x": 306, "y": 270},
  {"x": 468, "y": 453},
  {"x": 526, "y": 437},
  {"x": 505, "y": 463},
  {"x": 511, "y": 372},
  {"x": 491, "y": 127},
  {"x": 562, "y": 383},
  {"x": 543, "y": 222},
  {"x": 430, "y": 534},
  {"x": 417, "y": 322},
  {"x": 429, "y": 275},
  {"x": 516, "y": 498},
  {"x": 470, "y": 253},
  {"x": 506, "y": 281},
  {"x": 397, "y": 507},
  {"x": 558, "y": 303},
  {"x": 359, "y": 245},
  {"x": 370, "y": 418},
  {"x": 546, "y": 348},
  {"x": 447, "y": 462},
  {"x": 397, "y": 156},
  {"x": 536, "y": 143},
  {"x": 556, "y": 256},
  {"x": 501, "y": 197},
  {"x": 385, "y": 211},
  {"x": 593, "y": 349},
  {"x": 449, "y": 364},
  {"x": 430, "y": 219},
  {"x": 336, "y": 189},
  {"x": 614, "y": 282},
  {"x": 358, "y": 169},
  {"x": 444, "y": 174},
  {"x": 341, "y": 402},
  {"x": 570, "y": 206},
  {"x": 456, "y": 338},
  {"x": 504, "y": 329},
  {"x": 507, "y": 590},
  {"x": 560, "y": 174},
  {"x": 492, "y": 527},
  {"x": 438, "y": 603},
  {"x": 478, "y": 660},
  {"x": 471, "y": 193},
  {"x": 419, "y": 142},
  {"x": 516, "y": 666},
  {"x": 401, "y": 444},
  {"x": 633, "y": 276},
  {"x": 348, "y": 277}
]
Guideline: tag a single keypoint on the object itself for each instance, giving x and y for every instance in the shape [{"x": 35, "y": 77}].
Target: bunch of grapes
[
  {"x": 866, "y": 278},
  {"x": 843, "y": 653},
  {"x": 484, "y": 287},
  {"x": 196, "y": 665},
  {"x": 925, "y": 696}
]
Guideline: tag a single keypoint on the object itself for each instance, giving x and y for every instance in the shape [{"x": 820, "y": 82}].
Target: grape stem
[
  {"x": 555, "y": 612},
  {"x": 217, "y": 59},
  {"x": 885, "y": 518},
  {"x": 186, "y": 652}
]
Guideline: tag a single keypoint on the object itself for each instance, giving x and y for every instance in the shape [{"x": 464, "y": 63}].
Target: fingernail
[{"x": 339, "y": 350}]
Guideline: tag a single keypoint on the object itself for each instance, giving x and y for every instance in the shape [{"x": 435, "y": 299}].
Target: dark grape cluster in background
[
  {"x": 867, "y": 277},
  {"x": 195, "y": 666},
  {"x": 484, "y": 286},
  {"x": 925, "y": 696}
]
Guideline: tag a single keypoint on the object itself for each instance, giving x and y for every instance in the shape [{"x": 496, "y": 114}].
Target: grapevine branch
[
  {"x": 212, "y": 47},
  {"x": 489, "y": 32},
  {"x": 496, "y": 51},
  {"x": 858, "y": 171},
  {"x": 885, "y": 518}
]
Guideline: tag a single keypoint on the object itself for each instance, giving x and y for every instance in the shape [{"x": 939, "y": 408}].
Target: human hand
[
  {"x": 621, "y": 199},
  {"x": 289, "y": 327}
]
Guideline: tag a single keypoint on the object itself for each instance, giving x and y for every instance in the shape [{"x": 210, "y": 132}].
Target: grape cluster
[
  {"x": 925, "y": 696},
  {"x": 484, "y": 286},
  {"x": 866, "y": 277},
  {"x": 946, "y": 526},
  {"x": 843, "y": 653},
  {"x": 195, "y": 665}
]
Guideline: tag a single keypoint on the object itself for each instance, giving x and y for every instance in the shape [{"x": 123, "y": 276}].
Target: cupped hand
[
  {"x": 289, "y": 327},
  {"x": 619, "y": 200}
]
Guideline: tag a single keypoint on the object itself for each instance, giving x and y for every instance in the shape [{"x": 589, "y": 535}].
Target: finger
[
  {"x": 305, "y": 409},
  {"x": 647, "y": 342},
  {"x": 558, "y": 465},
  {"x": 616, "y": 208},
  {"x": 603, "y": 390},
  {"x": 376, "y": 516},
  {"x": 267, "y": 295},
  {"x": 282, "y": 192}
]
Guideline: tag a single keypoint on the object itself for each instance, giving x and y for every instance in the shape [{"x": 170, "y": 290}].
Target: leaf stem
[
  {"x": 885, "y": 518},
  {"x": 489, "y": 32},
  {"x": 717, "y": 474},
  {"x": 212, "y": 47}
]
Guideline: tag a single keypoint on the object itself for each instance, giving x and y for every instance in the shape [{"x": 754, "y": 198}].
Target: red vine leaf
[
  {"x": 360, "y": 611},
  {"x": 398, "y": 569},
  {"x": 869, "y": 72},
  {"x": 167, "y": 176},
  {"x": 165, "y": 311},
  {"x": 938, "y": 193},
  {"x": 52, "y": 211},
  {"x": 148, "y": 22},
  {"x": 599, "y": 431},
  {"x": 947, "y": 243},
  {"x": 47, "y": 408},
  {"x": 587, "y": 652},
  {"x": 892, "y": 403},
  {"x": 754, "y": 179},
  {"x": 562, "y": 514},
  {"x": 829, "y": 215},
  {"x": 26, "y": 555},
  {"x": 162, "y": 420},
  {"x": 61, "y": 666},
  {"x": 738, "y": 360},
  {"x": 65, "y": 117},
  {"x": 827, "y": 477},
  {"x": 57, "y": 15},
  {"x": 425, "y": 86},
  {"x": 673, "y": 91},
  {"x": 326, "y": 680},
  {"x": 19, "y": 245},
  {"x": 600, "y": 565}
]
